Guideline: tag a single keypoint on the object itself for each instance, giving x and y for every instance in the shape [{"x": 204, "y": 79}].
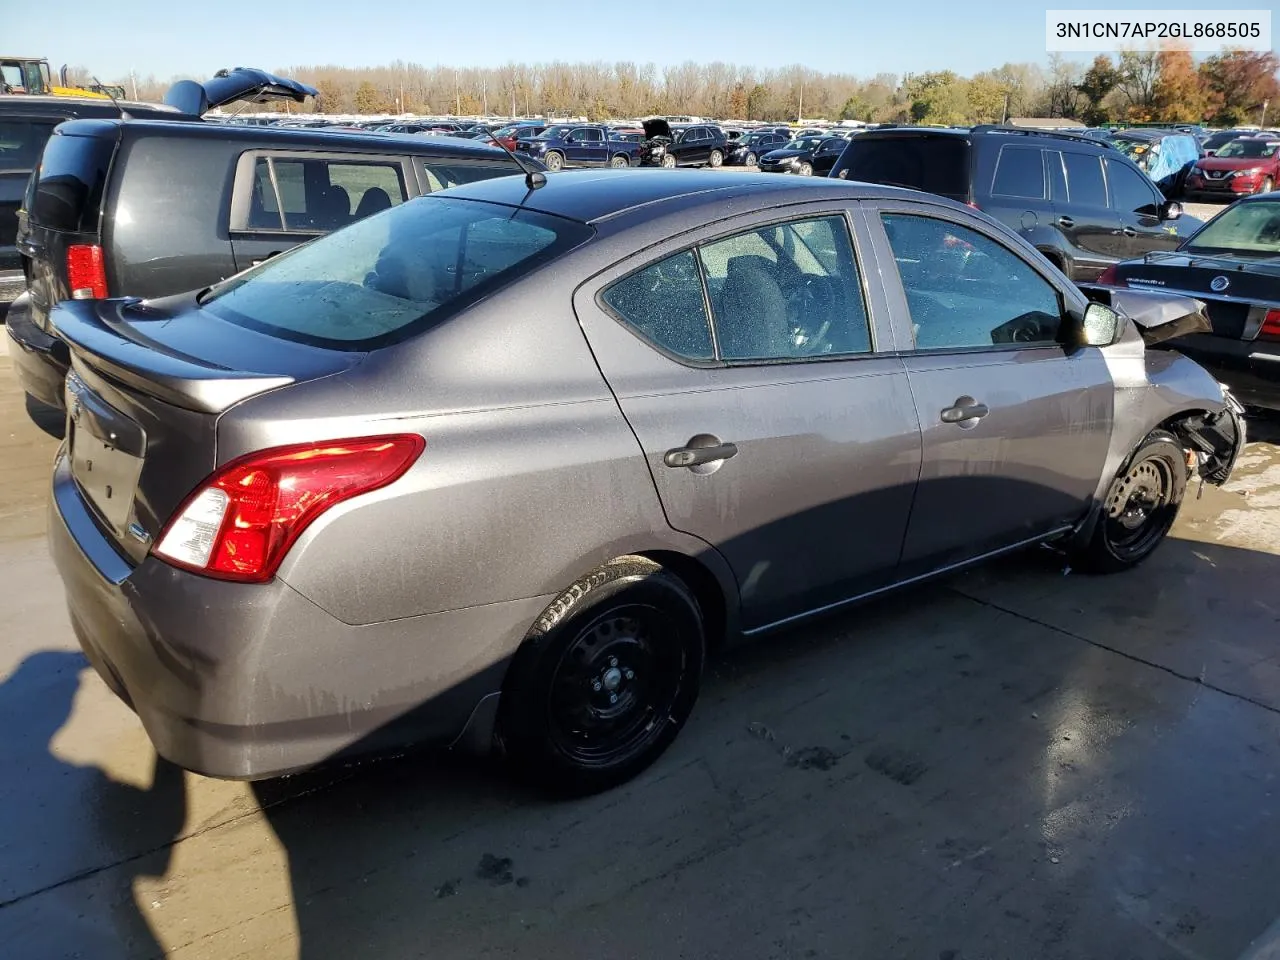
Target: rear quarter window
[
  {"x": 21, "y": 142},
  {"x": 70, "y": 183},
  {"x": 1019, "y": 173}
]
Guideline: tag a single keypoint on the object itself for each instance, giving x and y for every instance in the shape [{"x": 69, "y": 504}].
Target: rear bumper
[
  {"x": 251, "y": 681},
  {"x": 40, "y": 361},
  {"x": 1250, "y": 368}
]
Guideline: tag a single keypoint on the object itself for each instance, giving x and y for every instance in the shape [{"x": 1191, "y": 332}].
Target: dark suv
[
  {"x": 145, "y": 208},
  {"x": 1081, "y": 202},
  {"x": 695, "y": 145}
]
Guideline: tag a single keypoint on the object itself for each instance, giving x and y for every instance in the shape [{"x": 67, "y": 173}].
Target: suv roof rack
[{"x": 1032, "y": 132}]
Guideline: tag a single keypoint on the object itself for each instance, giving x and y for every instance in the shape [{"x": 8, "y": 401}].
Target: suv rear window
[
  {"x": 386, "y": 277},
  {"x": 20, "y": 143},
  {"x": 71, "y": 178},
  {"x": 934, "y": 164}
]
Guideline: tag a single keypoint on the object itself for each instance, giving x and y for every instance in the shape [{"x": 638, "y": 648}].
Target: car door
[
  {"x": 1015, "y": 423},
  {"x": 696, "y": 146},
  {"x": 772, "y": 428},
  {"x": 577, "y": 149},
  {"x": 1082, "y": 212},
  {"x": 1137, "y": 203},
  {"x": 827, "y": 154},
  {"x": 283, "y": 198}
]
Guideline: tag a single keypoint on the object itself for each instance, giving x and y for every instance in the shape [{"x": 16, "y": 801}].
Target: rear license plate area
[{"x": 106, "y": 454}]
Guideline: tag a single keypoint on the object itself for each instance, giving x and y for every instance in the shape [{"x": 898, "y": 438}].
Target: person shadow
[{"x": 74, "y": 840}]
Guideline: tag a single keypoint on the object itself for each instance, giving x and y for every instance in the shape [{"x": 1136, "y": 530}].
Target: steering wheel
[{"x": 809, "y": 299}]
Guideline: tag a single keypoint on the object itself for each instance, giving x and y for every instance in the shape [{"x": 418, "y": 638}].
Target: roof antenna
[
  {"x": 124, "y": 114},
  {"x": 533, "y": 179}
]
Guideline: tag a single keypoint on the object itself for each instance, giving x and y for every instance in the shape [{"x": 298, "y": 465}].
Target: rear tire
[
  {"x": 619, "y": 162},
  {"x": 605, "y": 679},
  {"x": 715, "y": 159},
  {"x": 1141, "y": 506},
  {"x": 554, "y": 162}
]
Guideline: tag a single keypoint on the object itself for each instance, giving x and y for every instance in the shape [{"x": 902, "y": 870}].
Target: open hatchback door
[{"x": 227, "y": 86}]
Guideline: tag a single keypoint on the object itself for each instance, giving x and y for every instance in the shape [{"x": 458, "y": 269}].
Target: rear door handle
[
  {"x": 1066, "y": 222},
  {"x": 1129, "y": 232},
  {"x": 696, "y": 456},
  {"x": 966, "y": 412}
]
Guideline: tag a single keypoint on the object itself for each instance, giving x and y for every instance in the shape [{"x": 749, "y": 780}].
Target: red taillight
[
  {"x": 86, "y": 272},
  {"x": 242, "y": 521},
  {"x": 1108, "y": 278},
  {"x": 1270, "y": 326}
]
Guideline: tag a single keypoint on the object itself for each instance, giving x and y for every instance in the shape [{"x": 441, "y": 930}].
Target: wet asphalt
[{"x": 1019, "y": 762}]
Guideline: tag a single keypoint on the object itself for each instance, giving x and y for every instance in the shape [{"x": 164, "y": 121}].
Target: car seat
[
  {"x": 375, "y": 199},
  {"x": 752, "y": 321}
]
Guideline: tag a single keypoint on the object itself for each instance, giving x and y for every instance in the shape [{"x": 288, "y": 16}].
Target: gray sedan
[{"x": 500, "y": 465}]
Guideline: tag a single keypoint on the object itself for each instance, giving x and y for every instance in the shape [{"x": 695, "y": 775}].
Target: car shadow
[
  {"x": 1263, "y": 426},
  {"x": 906, "y": 778},
  {"x": 71, "y": 834},
  {"x": 49, "y": 419}
]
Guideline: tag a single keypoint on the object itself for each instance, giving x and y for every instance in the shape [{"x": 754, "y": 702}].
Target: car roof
[
  {"x": 295, "y": 137},
  {"x": 591, "y": 196},
  {"x": 85, "y": 106}
]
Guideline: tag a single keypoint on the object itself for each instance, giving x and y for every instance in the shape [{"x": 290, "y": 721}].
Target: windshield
[
  {"x": 390, "y": 275},
  {"x": 804, "y": 143},
  {"x": 1248, "y": 148},
  {"x": 1139, "y": 151},
  {"x": 553, "y": 132},
  {"x": 1252, "y": 227}
]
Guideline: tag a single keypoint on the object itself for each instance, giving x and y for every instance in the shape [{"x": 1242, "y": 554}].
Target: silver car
[{"x": 500, "y": 465}]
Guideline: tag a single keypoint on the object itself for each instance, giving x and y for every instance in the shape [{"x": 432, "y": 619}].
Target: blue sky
[{"x": 172, "y": 37}]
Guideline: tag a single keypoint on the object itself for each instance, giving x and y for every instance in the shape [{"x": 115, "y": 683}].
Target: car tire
[
  {"x": 749, "y": 160},
  {"x": 805, "y": 170},
  {"x": 715, "y": 159},
  {"x": 668, "y": 162},
  {"x": 604, "y": 680},
  {"x": 1267, "y": 185},
  {"x": 554, "y": 161},
  {"x": 619, "y": 162},
  {"x": 1140, "y": 507}
]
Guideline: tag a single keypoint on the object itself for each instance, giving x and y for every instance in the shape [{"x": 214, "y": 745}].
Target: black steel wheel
[
  {"x": 1141, "y": 506},
  {"x": 605, "y": 679}
]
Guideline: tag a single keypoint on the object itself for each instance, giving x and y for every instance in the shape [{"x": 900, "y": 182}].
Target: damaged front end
[{"x": 1214, "y": 437}]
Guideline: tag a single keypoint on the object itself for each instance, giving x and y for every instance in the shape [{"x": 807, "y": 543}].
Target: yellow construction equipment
[{"x": 32, "y": 75}]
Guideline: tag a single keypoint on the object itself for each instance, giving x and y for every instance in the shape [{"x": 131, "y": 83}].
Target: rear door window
[
  {"x": 1019, "y": 173},
  {"x": 934, "y": 164},
  {"x": 320, "y": 194},
  {"x": 1085, "y": 185}
]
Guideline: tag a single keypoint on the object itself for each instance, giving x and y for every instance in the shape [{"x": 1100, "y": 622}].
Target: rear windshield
[
  {"x": 71, "y": 179},
  {"x": 390, "y": 275},
  {"x": 1252, "y": 227},
  {"x": 934, "y": 164}
]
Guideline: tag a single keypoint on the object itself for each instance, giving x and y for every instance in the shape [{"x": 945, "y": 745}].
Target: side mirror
[
  {"x": 1101, "y": 325},
  {"x": 1171, "y": 210}
]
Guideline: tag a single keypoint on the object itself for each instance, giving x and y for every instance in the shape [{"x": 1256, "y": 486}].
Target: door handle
[
  {"x": 966, "y": 412},
  {"x": 273, "y": 253},
  {"x": 696, "y": 456},
  {"x": 1129, "y": 232},
  {"x": 1066, "y": 222}
]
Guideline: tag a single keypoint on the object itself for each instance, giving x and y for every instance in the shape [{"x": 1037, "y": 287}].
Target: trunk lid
[
  {"x": 1230, "y": 286},
  {"x": 148, "y": 383}
]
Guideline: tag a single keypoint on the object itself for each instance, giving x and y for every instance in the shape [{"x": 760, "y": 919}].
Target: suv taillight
[
  {"x": 1270, "y": 326},
  {"x": 242, "y": 521},
  {"x": 86, "y": 272}
]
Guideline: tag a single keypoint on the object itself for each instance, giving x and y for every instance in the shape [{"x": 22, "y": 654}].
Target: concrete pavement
[{"x": 1016, "y": 763}]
